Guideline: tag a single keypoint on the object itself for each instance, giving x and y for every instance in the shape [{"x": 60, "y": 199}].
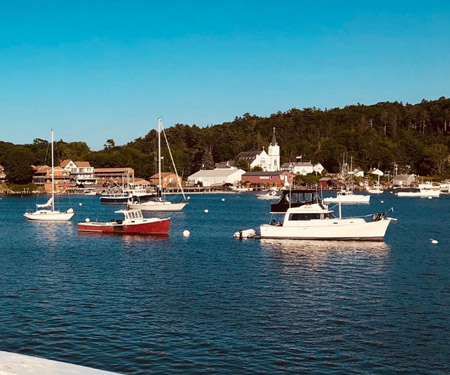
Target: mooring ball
[
  {"x": 87, "y": 220},
  {"x": 186, "y": 233},
  {"x": 206, "y": 211}
]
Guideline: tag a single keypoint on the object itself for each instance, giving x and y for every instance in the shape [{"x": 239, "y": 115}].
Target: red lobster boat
[{"x": 133, "y": 223}]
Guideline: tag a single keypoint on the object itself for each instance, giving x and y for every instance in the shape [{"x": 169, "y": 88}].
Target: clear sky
[{"x": 95, "y": 70}]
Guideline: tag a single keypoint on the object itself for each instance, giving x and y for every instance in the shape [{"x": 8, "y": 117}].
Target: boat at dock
[
  {"x": 314, "y": 221},
  {"x": 133, "y": 222}
]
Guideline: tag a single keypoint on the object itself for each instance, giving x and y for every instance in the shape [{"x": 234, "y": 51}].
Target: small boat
[
  {"x": 90, "y": 191},
  {"x": 270, "y": 195},
  {"x": 122, "y": 196},
  {"x": 133, "y": 222},
  {"x": 348, "y": 197},
  {"x": 315, "y": 222},
  {"x": 158, "y": 205},
  {"x": 376, "y": 189},
  {"x": 425, "y": 190},
  {"x": 47, "y": 211}
]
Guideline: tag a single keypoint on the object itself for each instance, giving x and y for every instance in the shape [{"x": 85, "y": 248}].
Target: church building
[{"x": 268, "y": 161}]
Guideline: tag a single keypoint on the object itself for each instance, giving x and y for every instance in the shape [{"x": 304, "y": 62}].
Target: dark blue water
[{"x": 211, "y": 304}]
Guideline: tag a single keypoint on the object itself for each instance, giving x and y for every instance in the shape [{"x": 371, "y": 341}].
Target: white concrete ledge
[{"x": 18, "y": 364}]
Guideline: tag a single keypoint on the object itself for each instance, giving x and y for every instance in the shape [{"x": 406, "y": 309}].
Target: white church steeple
[{"x": 274, "y": 153}]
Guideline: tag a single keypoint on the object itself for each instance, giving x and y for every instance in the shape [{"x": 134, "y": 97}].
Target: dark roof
[
  {"x": 247, "y": 155},
  {"x": 274, "y": 139}
]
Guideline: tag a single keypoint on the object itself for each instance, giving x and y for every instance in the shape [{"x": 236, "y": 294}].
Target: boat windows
[{"x": 297, "y": 217}]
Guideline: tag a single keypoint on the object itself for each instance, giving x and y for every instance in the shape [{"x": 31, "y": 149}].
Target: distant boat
[
  {"x": 347, "y": 197},
  {"x": 426, "y": 190},
  {"x": 315, "y": 222},
  {"x": 133, "y": 222},
  {"x": 160, "y": 203},
  {"x": 376, "y": 189},
  {"x": 123, "y": 195},
  {"x": 270, "y": 195},
  {"x": 47, "y": 212}
]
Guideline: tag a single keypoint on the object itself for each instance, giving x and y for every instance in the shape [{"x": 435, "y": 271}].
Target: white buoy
[
  {"x": 186, "y": 233},
  {"x": 87, "y": 220},
  {"x": 80, "y": 204},
  {"x": 206, "y": 211},
  {"x": 223, "y": 199},
  {"x": 434, "y": 242},
  {"x": 381, "y": 201},
  {"x": 188, "y": 198},
  {"x": 430, "y": 197}
]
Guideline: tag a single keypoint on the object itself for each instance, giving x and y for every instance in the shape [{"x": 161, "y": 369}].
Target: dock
[{"x": 18, "y": 364}]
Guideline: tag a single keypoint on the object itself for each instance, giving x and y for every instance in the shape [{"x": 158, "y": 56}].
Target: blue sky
[{"x": 95, "y": 70}]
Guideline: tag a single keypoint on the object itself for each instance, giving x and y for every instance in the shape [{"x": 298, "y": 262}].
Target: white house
[
  {"x": 302, "y": 168},
  {"x": 268, "y": 161},
  {"x": 216, "y": 177},
  {"x": 80, "y": 171}
]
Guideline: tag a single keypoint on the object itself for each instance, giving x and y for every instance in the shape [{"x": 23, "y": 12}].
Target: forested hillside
[{"x": 416, "y": 137}]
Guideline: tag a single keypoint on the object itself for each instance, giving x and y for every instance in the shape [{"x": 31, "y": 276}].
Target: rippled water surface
[{"x": 211, "y": 304}]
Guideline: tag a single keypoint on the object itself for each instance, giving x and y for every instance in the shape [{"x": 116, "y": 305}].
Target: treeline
[{"x": 416, "y": 137}]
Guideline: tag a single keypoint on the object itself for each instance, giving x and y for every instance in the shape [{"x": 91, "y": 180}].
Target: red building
[{"x": 279, "y": 178}]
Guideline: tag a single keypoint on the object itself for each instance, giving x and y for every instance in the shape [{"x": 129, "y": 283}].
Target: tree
[
  {"x": 18, "y": 166},
  {"x": 207, "y": 159},
  {"x": 110, "y": 144}
]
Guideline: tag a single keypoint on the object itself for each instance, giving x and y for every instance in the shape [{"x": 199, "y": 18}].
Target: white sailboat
[
  {"x": 47, "y": 212},
  {"x": 160, "y": 203}
]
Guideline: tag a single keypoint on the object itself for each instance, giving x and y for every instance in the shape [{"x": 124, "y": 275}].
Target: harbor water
[{"x": 209, "y": 303}]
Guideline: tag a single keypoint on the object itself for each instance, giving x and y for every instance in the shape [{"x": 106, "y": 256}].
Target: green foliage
[{"x": 416, "y": 137}]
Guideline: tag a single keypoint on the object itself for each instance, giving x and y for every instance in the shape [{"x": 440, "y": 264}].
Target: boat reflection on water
[
  {"x": 297, "y": 251},
  {"x": 52, "y": 231},
  {"x": 128, "y": 238}
]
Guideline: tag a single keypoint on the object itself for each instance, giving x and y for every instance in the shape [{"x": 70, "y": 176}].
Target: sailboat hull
[
  {"x": 48, "y": 215},
  {"x": 158, "y": 206}
]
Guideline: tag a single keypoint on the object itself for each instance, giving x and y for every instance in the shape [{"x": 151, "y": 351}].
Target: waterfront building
[
  {"x": 302, "y": 168},
  {"x": 168, "y": 179},
  {"x": 265, "y": 179},
  {"x": 42, "y": 177},
  {"x": 114, "y": 175},
  {"x": 403, "y": 180},
  {"x": 81, "y": 172},
  {"x": 2, "y": 174},
  {"x": 216, "y": 177}
]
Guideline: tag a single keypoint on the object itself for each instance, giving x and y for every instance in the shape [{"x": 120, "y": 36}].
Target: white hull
[
  {"x": 374, "y": 191},
  {"x": 348, "y": 199},
  {"x": 420, "y": 194},
  {"x": 48, "y": 215},
  {"x": 352, "y": 229},
  {"x": 267, "y": 196},
  {"x": 160, "y": 206}
]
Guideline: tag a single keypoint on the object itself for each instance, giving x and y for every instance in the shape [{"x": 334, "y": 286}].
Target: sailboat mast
[
  {"x": 53, "y": 176},
  {"x": 159, "y": 155}
]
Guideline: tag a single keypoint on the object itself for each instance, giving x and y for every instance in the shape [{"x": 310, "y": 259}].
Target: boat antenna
[
  {"x": 159, "y": 193},
  {"x": 53, "y": 175},
  {"x": 173, "y": 162}
]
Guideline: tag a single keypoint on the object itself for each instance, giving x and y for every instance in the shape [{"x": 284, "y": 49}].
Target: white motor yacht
[{"x": 316, "y": 222}]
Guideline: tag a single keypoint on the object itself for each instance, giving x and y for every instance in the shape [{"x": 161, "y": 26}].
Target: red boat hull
[{"x": 160, "y": 226}]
